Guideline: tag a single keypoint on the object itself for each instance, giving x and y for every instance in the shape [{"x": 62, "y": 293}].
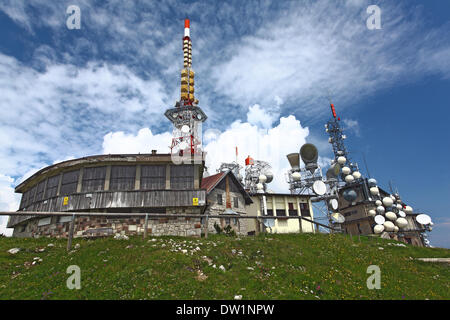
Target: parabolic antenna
[
  {"x": 379, "y": 220},
  {"x": 401, "y": 214},
  {"x": 333, "y": 171},
  {"x": 337, "y": 217},
  {"x": 319, "y": 187},
  {"x": 185, "y": 129},
  {"x": 423, "y": 219},
  {"x": 269, "y": 223},
  {"x": 350, "y": 195},
  {"x": 372, "y": 182},
  {"x": 334, "y": 204}
]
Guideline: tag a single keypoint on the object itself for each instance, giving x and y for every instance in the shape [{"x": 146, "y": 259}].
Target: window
[
  {"x": 304, "y": 209},
  {"x": 69, "y": 182},
  {"x": 65, "y": 219},
  {"x": 219, "y": 199},
  {"x": 227, "y": 221},
  {"x": 40, "y": 191},
  {"x": 236, "y": 202},
  {"x": 270, "y": 212},
  {"x": 44, "y": 221},
  {"x": 153, "y": 177},
  {"x": 281, "y": 213},
  {"x": 292, "y": 211},
  {"x": 182, "y": 176},
  {"x": 122, "y": 178},
  {"x": 93, "y": 179},
  {"x": 52, "y": 187}
]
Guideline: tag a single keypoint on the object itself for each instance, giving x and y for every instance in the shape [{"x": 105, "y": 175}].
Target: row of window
[
  {"x": 152, "y": 177},
  {"x": 220, "y": 200},
  {"x": 304, "y": 210}
]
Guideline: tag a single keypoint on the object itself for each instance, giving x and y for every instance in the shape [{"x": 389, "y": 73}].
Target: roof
[{"x": 209, "y": 183}]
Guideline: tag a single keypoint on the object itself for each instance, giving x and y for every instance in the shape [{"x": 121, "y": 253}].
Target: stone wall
[{"x": 94, "y": 226}]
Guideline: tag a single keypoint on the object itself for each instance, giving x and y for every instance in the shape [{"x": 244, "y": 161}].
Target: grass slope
[{"x": 296, "y": 266}]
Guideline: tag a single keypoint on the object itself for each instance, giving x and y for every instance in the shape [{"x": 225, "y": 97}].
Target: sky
[{"x": 265, "y": 71}]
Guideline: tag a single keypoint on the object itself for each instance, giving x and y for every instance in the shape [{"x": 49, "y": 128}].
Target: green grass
[{"x": 284, "y": 267}]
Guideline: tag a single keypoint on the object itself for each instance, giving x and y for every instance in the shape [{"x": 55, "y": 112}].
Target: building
[
  {"x": 148, "y": 183},
  {"x": 359, "y": 221}
]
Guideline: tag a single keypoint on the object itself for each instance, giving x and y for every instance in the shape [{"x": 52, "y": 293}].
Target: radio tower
[
  {"x": 336, "y": 139},
  {"x": 186, "y": 117}
]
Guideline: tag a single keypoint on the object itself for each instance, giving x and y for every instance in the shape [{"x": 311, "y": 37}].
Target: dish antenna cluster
[
  {"x": 309, "y": 180},
  {"x": 258, "y": 174},
  {"x": 233, "y": 167}
]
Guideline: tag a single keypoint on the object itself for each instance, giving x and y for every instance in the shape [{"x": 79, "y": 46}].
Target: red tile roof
[{"x": 210, "y": 182}]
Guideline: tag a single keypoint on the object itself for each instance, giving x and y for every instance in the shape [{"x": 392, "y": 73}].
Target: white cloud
[
  {"x": 143, "y": 142},
  {"x": 9, "y": 201},
  {"x": 268, "y": 144}
]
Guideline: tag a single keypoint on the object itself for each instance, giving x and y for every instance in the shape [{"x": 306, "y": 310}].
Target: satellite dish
[
  {"x": 269, "y": 176},
  {"x": 387, "y": 201},
  {"x": 390, "y": 215},
  {"x": 294, "y": 160},
  {"x": 337, "y": 217},
  {"x": 333, "y": 171},
  {"x": 379, "y": 220},
  {"x": 372, "y": 182},
  {"x": 346, "y": 170},
  {"x": 185, "y": 129},
  {"x": 183, "y": 145},
  {"x": 401, "y": 214},
  {"x": 396, "y": 229},
  {"x": 399, "y": 206},
  {"x": 379, "y": 228},
  {"x": 378, "y": 203},
  {"x": 341, "y": 160},
  {"x": 308, "y": 153},
  {"x": 372, "y": 213},
  {"x": 269, "y": 223},
  {"x": 380, "y": 210},
  {"x": 296, "y": 176},
  {"x": 389, "y": 226},
  {"x": 401, "y": 222},
  {"x": 356, "y": 174},
  {"x": 423, "y": 219},
  {"x": 350, "y": 195},
  {"x": 349, "y": 178},
  {"x": 262, "y": 178},
  {"x": 334, "y": 204},
  {"x": 374, "y": 191},
  {"x": 408, "y": 210},
  {"x": 319, "y": 187},
  {"x": 259, "y": 186}
]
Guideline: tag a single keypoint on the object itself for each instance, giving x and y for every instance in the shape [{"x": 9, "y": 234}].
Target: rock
[
  {"x": 250, "y": 268},
  {"x": 381, "y": 248},
  {"x": 129, "y": 247},
  {"x": 222, "y": 268},
  {"x": 201, "y": 276},
  {"x": 50, "y": 245},
  {"x": 238, "y": 297},
  {"x": 13, "y": 250},
  {"x": 77, "y": 246}
]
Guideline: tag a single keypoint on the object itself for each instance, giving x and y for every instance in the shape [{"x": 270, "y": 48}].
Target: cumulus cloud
[
  {"x": 9, "y": 201},
  {"x": 269, "y": 144}
]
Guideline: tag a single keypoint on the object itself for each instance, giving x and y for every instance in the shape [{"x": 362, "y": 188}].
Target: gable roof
[{"x": 209, "y": 183}]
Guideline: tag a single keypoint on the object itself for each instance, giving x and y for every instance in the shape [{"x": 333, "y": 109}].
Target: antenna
[{"x": 365, "y": 164}]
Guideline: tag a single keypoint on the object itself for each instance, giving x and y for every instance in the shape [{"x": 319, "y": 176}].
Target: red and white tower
[{"x": 187, "y": 117}]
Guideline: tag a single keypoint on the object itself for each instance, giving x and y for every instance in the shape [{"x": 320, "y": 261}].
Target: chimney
[{"x": 153, "y": 151}]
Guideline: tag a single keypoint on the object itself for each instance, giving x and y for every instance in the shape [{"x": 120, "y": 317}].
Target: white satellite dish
[
  {"x": 269, "y": 223},
  {"x": 379, "y": 228},
  {"x": 185, "y": 129},
  {"x": 378, "y": 203},
  {"x": 423, "y": 219},
  {"x": 319, "y": 187},
  {"x": 379, "y": 220},
  {"x": 337, "y": 217},
  {"x": 401, "y": 214},
  {"x": 341, "y": 160},
  {"x": 183, "y": 145},
  {"x": 346, "y": 170},
  {"x": 390, "y": 215},
  {"x": 334, "y": 204}
]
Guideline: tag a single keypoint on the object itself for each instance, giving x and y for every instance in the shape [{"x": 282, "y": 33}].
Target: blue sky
[{"x": 263, "y": 70}]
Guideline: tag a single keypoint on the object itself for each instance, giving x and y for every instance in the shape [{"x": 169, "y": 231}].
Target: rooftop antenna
[{"x": 365, "y": 164}]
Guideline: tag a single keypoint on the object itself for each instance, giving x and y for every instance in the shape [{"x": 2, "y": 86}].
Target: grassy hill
[{"x": 297, "y": 266}]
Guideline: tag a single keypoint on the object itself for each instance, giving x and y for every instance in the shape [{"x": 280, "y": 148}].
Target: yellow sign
[
  {"x": 195, "y": 201},
  {"x": 66, "y": 201}
]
